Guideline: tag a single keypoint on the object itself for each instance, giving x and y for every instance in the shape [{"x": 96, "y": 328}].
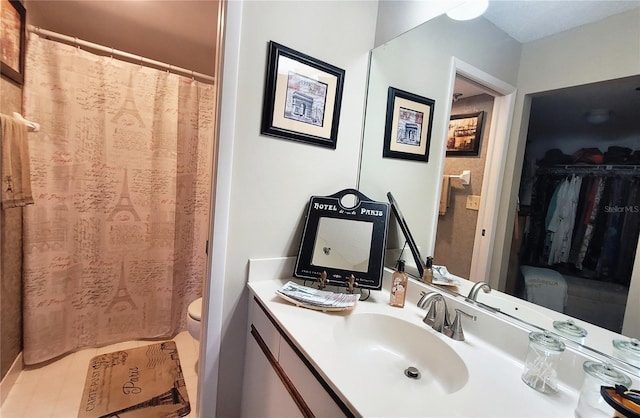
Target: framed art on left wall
[
  {"x": 12, "y": 41},
  {"x": 302, "y": 97}
]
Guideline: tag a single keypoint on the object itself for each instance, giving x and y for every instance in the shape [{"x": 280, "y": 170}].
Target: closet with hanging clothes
[{"x": 583, "y": 222}]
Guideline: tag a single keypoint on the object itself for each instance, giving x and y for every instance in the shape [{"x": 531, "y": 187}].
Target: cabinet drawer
[
  {"x": 269, "y": 333},
  {"x": 314, "y": 394}
]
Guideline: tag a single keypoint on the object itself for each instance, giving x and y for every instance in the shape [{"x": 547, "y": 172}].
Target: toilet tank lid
[{"x": 195, "y": 309}]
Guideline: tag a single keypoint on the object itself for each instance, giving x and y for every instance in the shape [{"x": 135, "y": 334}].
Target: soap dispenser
[
  {"x": 399, "y": 281},
  {"x": 427, "y": 274}
]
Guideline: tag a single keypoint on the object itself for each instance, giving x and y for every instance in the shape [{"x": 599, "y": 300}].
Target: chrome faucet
[
  {"x": 439, "y": 319},
  {"x": 473, "y": 293}
]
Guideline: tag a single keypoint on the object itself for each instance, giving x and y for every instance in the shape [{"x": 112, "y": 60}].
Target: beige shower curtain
[{"x": 114, "y": 246}]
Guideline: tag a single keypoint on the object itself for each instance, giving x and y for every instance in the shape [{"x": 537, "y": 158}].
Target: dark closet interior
[{"x": 579, "y": 215}]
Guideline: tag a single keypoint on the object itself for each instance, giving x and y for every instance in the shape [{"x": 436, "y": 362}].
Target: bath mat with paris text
[{"x": 140, "y": 382}]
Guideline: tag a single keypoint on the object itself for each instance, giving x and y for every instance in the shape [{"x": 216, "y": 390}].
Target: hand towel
[
  {"x": 16, "y": 176},
  {"x": 444, "y": 195}
]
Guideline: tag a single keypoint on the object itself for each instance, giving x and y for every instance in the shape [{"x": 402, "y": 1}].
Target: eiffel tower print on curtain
[
  {"x": 122, "y": 293},
  {"x": 129, "y": 107},
  {"x": 124, "y": 202}
]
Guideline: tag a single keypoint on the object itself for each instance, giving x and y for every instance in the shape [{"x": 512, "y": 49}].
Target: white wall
[
  {"x": 631, "y": 325},
  {"x": 271, "y": 179},
  {"x": 600, "y": 51},
  {"x": 396, "y": 17},
  {"x": 425, "y": 71}
]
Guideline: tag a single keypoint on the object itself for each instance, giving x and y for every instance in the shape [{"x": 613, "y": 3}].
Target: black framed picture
[
  {"x": 465, "y": 132},
  {"x": 12, "y": 41},
  {"x": 302, "y": 97},
  {"x": 407, "y": 132}
]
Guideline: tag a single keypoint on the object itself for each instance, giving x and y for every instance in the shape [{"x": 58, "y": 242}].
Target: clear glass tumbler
[{"x": 541, "y": 363}]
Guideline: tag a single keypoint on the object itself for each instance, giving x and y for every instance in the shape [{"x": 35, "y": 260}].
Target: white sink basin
[{"x": 379, "y": 348}]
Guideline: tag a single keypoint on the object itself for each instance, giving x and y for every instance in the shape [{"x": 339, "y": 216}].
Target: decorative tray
[
  {"x": 442, "y": 277},
  {"x": 319, "y": 300}
]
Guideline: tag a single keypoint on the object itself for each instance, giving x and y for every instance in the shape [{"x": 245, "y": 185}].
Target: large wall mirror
[{"x": 433, "y": 60}]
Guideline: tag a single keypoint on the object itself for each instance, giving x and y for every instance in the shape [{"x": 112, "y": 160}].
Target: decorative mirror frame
[{"x": 331, "y": 207}]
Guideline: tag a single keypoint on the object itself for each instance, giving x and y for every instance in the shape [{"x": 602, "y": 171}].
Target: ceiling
[
  {"x": 179, "y": 32},
  {"x": 529, "y": 20},
  {"x": 183, "y": 33},
  {"x": 563, "y": 111}
]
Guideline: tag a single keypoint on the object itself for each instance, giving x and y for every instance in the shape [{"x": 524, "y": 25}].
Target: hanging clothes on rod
[
  {"x": 561, "y": 219},
  {"x": 585, "y": 224}
]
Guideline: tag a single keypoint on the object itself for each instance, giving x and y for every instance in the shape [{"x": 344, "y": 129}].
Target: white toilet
[{"x": 194, "y": 317}]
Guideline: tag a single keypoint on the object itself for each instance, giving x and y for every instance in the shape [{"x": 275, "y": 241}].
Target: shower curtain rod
[{"x": 135, "y": 58}]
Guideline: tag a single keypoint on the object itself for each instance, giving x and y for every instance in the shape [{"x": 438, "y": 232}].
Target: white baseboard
[{"x": 10, "y": 378}]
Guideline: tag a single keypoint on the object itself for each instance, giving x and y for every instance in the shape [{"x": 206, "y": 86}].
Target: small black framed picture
[
  {"x": 302, "y": 97},
  {"x": 407, "y": 133},
  {"x": 12, "y": 41},
  {"x": 465, "y": 132}
]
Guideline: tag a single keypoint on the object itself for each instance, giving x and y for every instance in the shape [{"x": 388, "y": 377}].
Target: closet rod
[
  {"x": 133, "y": 58},
  {"x": 590, "y": 169}
]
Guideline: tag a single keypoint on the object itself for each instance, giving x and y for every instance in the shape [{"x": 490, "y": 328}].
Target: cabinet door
[
  {"x": 264, "y": 395},
  {"x": 311, "y": 390}
]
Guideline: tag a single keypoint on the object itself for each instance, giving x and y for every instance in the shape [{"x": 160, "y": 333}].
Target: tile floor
[{"x": 55, "y": 390}]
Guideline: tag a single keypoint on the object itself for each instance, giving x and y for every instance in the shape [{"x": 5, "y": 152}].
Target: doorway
[
  {"x": 495, "y": 140},
  {"x": 471, "y": 113},
  {"x": 580, "y": 138}
]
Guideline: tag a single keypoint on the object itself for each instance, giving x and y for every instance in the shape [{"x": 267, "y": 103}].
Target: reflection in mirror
[
  {"x": 426, "y": 69},
  {"x": 333, "y": 249},
  {"x": 404, "y": 227}
]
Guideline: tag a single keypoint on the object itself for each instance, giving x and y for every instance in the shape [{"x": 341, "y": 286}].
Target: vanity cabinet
[{"x": 278, "y": 380}]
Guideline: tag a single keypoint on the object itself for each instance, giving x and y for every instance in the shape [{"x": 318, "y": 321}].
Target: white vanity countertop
[{"x": 494, "y": 387}]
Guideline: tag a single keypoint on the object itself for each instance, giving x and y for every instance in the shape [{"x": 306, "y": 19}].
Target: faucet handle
[{"x": 455, "y": 330}]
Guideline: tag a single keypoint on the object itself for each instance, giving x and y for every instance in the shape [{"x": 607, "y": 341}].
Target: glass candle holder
[
  {"x": 591, "y": 403},
  {"x": 541, "y": 363},
  {"x": 627, "y": 350},
  {"x": 570, "y": 330}
]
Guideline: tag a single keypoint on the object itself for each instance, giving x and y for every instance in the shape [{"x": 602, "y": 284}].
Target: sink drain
[{"x": 412, "y": 373}]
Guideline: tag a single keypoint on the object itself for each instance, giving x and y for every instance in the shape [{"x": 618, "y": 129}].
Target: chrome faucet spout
[
  {"x": 473, "y": 293},
  {"x": 436, "y": 318}
]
